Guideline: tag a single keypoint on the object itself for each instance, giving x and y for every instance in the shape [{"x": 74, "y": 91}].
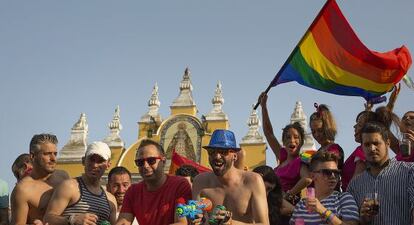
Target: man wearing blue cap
[{"x": 241, "y": 192}]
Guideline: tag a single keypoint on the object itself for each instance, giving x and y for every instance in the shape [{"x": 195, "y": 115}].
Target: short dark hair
[
  {"x": 147, "y": 142},
  {"x": 322, "y": 156},
  {"x": 19, "y": 164},
  {"x": 39, "y": 139},
  {"x": 296, "y": 126},
  {"x": 376, "y": 127},
  {"x": 118, "y": 171},
  {"x": 187, "y": 171}
]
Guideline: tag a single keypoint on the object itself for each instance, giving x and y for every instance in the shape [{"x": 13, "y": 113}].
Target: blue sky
[{"x": 61, "y": 58}]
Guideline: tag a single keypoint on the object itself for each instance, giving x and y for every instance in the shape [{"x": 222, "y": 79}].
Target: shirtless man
[
  {"x": 31, "y": 195},
  {"x": 241, "y": 192}
]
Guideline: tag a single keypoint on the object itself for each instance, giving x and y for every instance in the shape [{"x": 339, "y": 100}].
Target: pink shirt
[
  {"x": 288, "y": 174},
  {"x": 348, "y": 169},
  {"x": 410, "y": 158}
]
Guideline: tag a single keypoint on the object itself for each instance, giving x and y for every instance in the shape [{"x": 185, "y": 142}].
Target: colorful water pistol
[
  {"x": 193, "y": 208},
  {"x": 212, "y": 220}
]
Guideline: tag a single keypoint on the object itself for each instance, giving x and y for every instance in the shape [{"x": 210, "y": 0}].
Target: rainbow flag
[{"x": 331, "y": 58}]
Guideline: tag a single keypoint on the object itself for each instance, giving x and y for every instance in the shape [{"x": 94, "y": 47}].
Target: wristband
[
  {"x": 328, "y": 215},
  {"x": 330, "y": 218}
]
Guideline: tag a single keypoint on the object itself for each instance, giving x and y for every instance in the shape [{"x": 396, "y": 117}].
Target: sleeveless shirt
[{"x": 90, "y": 203}]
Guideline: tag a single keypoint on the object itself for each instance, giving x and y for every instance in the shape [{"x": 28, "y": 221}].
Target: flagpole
[{"x": 294, "y": 50}]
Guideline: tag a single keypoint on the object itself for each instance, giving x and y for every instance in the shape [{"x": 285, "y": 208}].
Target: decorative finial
[
  {"x": 154, "y": 101},
  {"x": 115, "y": 127},
  {"x": 253, "y": 135},
  {"x": 185, "y": 98}
]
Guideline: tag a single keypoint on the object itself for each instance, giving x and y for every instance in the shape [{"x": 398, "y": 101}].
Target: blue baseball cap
[{"x": 223, "y": 139}]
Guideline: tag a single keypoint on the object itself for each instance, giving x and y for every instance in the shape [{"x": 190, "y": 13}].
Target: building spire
[
  {"x": 153, "y": 107},
  {"x": 299, "y": 115},
  {"x": 185, "y": 97},
  {"x": 75, "y": 148},
  {"x": 115, "y": 127},
  {"x": 253, "y": 136},
  {"x": 154, "y": 102},
  {"x": 217, "y": 112}
]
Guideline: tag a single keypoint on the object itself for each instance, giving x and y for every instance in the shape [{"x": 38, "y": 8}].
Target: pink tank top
[{"x": 288, "y": 174}]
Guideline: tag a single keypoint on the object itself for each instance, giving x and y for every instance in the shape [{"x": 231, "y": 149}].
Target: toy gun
[
  {"x": 213, "y": 220},
  {"x": 105, "y": 222},
  {"x": 193, "y": 208}
]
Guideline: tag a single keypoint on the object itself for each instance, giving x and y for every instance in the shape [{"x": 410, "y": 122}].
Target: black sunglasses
[
  {"x": 150, "y": 160},
  {"x": 329, "y": 172}
]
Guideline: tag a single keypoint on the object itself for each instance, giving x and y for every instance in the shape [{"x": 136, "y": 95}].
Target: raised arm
[
  {"x": 267, "y": 127},
  {"x": 393, "y": 97},
  {"x": 19, "y": 205}
]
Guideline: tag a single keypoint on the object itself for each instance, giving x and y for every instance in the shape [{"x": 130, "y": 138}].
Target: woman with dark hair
[
  {"x": 277, "y": 206},
  {"x": 293, "y": 174}
]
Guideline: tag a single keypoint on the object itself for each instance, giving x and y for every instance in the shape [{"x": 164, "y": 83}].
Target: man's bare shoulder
[
  {"x": 251, "y": 178},
  {"x": 110, "y": 197},
  {"x": 61, "y": 173},
  {"x": 26, "y": 186},
  {"x": 68, "y": 184},
  {"x": 57, "y": 177}
]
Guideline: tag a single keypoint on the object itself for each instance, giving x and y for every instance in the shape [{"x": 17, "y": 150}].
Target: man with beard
[
  {"x": 325, "y": 205},
  {"x": 241, "y": 192},
  {"x": 31, "y": 195},
  {"x": 153, "y": 200},
  {"x": 82, "y": 200},
  {"x": 390, "y": 183},
  {"x": 119, "y": 180}
]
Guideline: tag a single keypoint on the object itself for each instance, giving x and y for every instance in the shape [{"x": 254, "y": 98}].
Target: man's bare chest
[{"x": 236, "y": 200}]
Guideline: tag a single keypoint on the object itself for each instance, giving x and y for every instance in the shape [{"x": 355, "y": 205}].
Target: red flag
[{"x": 178, "y": 160}]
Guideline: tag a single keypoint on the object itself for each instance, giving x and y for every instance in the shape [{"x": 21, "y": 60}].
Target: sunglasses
[
  {"x": 223, "y": 152},
  {"x": 329, "y": 172},
  {"x": 150, "y": 160}
]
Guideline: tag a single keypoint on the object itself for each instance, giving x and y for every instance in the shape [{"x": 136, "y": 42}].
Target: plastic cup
[
  {"x": 310, "y": 194},
  {"x": 405, "y": 145},
  {"x": 299, "y": 221},
  {"x": 372, "y": 199}
]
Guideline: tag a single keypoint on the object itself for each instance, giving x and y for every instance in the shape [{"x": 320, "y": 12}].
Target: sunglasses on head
[
  {"x": 150, "y": 160},
  {"x": 329, "y": 172},
  {"x": 223, "y": 152}
]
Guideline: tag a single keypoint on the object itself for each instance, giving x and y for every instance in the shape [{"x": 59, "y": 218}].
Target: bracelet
[
  {"x": 324, "y": 213},
  {"x": 328, "y": 215},
  {"x": 330, "y": 218}
]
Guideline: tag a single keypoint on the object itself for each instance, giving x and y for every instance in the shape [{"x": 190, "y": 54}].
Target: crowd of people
[{"x": 368, "y": 187}]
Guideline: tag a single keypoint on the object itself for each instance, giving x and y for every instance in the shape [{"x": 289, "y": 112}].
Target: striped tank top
[{"x": 90, "y": 203}]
